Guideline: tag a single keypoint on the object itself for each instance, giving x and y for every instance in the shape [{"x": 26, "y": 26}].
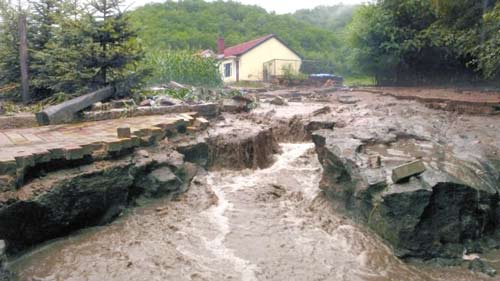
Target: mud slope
[{"x": 450, "y": 207}]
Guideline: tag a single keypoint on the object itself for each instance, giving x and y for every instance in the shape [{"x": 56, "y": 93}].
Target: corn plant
[{"x": 183, "y": 67}]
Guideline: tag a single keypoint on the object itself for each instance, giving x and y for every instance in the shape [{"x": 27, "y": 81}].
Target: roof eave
[{"x": 271, "y": 37}]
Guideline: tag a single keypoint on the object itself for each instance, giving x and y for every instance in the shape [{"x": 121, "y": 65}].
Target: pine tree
[
  {"x": 44, "y": 14},
  {"x": 114, "y": 51},
  {"x": 45, "y": 17},
  {"x": 73, "y": 48},
  {"x": 9, "y": 48},
  {"x": 61, "y": 68}
]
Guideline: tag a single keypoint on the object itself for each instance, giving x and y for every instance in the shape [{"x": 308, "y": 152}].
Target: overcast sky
[{"x": 279, "y": 6}]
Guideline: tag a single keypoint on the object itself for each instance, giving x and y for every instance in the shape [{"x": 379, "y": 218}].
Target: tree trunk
[
  {"x": 65, "y": 112},
  {"x": 23, "y": 58}
]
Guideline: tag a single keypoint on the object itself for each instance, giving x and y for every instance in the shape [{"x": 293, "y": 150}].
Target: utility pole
[
  {"x": 23, "y": 58},
  {"x": 105, "y": 45}
]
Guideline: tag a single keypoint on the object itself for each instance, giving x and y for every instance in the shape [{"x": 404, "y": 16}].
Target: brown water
[{"x": 270, "y": 224}]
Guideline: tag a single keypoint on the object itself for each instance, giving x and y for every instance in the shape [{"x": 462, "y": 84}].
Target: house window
[{"x": 227, "y": 69}]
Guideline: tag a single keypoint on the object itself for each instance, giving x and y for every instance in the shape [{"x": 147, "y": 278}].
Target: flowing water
[{"x": 270, "y": 224}]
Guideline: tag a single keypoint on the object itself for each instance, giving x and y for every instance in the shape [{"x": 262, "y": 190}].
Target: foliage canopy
[{"x": 427, "y": 41}]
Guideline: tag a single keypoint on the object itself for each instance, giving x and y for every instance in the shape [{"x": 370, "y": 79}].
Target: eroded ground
[
  {"x": 270, "y": 224},
  {"x": 275, "y": 223}
]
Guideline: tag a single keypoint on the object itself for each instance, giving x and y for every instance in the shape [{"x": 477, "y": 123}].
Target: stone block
[
  {"x": 16, "y": 138},
  {"x": 192, "y": 114},
  {"x": 113, "y": 145},
  {"x": 125, "y": 103},
  {"x": 74, "y": 152},
  {"x": 322, "y": 110},
  {"x": 20, "y": 120},
  {"x": 167, "y": 124},
  {"x": 407, "y": 170},
  {"x": 201, "y": 123},
  {"x": 208, "y": 110},
  {"x": 8, "y": 166},
  {"x": 123, "y": 132},
  {"x": 188, "y": 118},
  {"x": 278, "y": 101},
  {"x": 56, "y": 153}
]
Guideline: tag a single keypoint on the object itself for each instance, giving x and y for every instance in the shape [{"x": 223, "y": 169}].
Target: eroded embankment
[
  {"x": 92, "y": 194},
  {"x": 439, "y": 214},
  {"x": 447, "y": 213},
  {"x": 265, "y": 224}
]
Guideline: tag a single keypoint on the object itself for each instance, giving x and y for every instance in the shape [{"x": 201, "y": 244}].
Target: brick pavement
[{"x": 21, "y": 149}]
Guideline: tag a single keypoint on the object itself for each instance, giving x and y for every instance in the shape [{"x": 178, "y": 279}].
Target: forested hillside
[
  {"x": 196, "y": 24},
  {"x": 431, "y": 41},
  {"x": 333, "y": 18},
  {"x": 74, "y": 46},
  {"x": 395, "y": 41}
]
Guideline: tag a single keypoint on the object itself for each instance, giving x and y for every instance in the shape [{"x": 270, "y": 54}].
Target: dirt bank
[
  {"x": 449, "y": 210},
  {"x": 60, "y": 201},
  {"x": 470, "y": 101},
  {"x": 445, "y": 214},
  {"x": 93, "y": 194}
]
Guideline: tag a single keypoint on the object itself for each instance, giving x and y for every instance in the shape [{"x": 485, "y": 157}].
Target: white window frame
[{"x": 228, "y": 66}]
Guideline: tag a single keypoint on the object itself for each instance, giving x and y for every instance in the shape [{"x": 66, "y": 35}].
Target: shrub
[
  {"x": 183, "y": 67},
  {"x": 290, "y": 74}
]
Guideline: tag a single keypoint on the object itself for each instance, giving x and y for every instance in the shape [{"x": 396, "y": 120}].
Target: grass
[
  {"x": 353, "y": 81},
  {"x": 12, "y": 106}
]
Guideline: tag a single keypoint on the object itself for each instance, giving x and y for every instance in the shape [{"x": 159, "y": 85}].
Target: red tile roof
[{"x": 245, "y": 47}]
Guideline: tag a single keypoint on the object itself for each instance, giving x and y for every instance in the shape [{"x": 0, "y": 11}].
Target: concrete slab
[{"x": 407, "y": 170}]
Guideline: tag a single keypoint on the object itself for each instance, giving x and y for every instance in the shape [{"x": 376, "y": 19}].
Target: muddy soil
[
  {"x": 466, "y": 95},
  {"x": 469, "y": 101},
  {"x": 269, "y": 224},
  {"x": 274, "y": 222}
]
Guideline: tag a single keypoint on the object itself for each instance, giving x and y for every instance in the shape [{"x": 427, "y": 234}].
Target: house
[
  {"x": 207, "y": 53},
  {"x": 257, "y": 60}
]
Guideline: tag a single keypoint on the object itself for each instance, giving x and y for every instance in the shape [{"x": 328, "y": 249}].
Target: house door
[{"x": 265, "y": 73}]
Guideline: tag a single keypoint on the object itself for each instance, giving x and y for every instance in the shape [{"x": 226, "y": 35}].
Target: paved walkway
[{"x": 22, "y": 148}]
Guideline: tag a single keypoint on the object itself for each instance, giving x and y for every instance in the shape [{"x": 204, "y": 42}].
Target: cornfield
[{"x": 184, "y": 67}]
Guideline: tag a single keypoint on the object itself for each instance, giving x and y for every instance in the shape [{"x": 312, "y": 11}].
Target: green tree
[
  {"x": 488, "y": 53},
  {"x": 114, "y": 50},
  {"x": 429, "y": 41},
  {"x": 334, "y": 18},
  {"x": 45, "y": 17},
  {"x": 196, "y": 24},
  {"x": 471, "y": 28},
  {"x": 66, "y": 51},
  {"x": 9, "y": 48}
]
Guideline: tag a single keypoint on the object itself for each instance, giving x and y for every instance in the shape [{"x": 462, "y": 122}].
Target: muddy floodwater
[{"x": 269, "y": 224}]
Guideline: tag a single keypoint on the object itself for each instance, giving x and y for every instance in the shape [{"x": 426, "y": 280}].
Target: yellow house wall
[
  {"x": 276, "y": 67},
  {"x": 252, "y": 63},
  {"x": 231, "y": 78}
]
